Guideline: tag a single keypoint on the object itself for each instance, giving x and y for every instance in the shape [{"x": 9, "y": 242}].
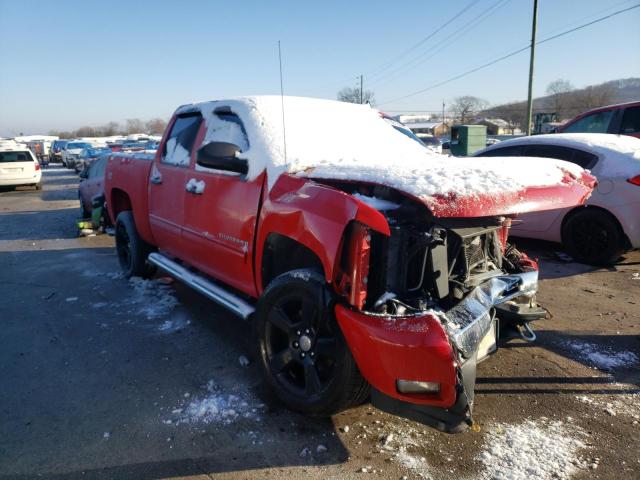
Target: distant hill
[{"x": 570, "y": 103}]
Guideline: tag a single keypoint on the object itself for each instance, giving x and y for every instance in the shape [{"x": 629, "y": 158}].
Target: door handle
[
  {"x": 156, "y": 180},
  {"x": 195, "y": 186}
]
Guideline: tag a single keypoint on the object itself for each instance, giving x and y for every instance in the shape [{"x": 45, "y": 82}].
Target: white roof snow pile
[{"x": 336, "y": 140}]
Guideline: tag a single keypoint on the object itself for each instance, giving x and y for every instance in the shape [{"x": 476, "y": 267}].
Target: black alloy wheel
[
  {"x": 302, "y": 351},
  {"x": 300, "y": 347},
  {"x": 593, "y": 236}
]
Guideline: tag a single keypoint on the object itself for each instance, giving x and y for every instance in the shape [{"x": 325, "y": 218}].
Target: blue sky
[{"x": 71, "y": 63}]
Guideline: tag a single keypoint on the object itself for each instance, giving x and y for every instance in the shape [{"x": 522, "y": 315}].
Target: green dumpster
[{"x": 467, "y": 139}]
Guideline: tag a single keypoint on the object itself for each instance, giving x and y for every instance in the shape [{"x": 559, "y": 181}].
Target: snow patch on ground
[
  {"x": 173, "y": 325},
  {"x": 625, "y": 404},
  {"x": 216, "y": 406},
  {"x": 540, "y": 449},
  {"x": 151, "y": 298},
  {"x": 602, "y": 357}
]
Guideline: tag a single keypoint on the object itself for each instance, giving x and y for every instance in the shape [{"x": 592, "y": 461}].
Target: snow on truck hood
[{"x": 335, "y": 140}]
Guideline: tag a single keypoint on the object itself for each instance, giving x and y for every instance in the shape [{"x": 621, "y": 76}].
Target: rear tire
[
  {"x": 301, "y": 349},
  {"x": 132, "y": 250},
  {"x": 38, "y": 186},
  {"x": 594, "y": 237}
]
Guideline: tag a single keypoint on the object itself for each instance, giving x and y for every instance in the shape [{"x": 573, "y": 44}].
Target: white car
[
  {"x": 609, "y": 223},
  {"x": 72, "y": 151},
  {"x": 18, "y": 166}
]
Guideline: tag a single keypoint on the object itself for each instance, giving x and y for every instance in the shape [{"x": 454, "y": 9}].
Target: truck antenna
[{"x": 284, "y": 132}]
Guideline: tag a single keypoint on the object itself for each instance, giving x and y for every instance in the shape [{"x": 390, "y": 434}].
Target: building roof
[{"x": 423, "y": 125}]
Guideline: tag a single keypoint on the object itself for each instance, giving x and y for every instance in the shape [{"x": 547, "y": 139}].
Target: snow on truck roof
[{"x": 328, "y": 139}]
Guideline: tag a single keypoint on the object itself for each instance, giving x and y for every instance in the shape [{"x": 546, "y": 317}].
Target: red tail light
[
  {"x": 37, "y": 166},
  {"x": 635, "y": 180}
]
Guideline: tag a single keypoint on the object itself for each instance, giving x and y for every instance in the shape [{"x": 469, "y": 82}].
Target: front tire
[
  {"x": 301, "y": 349},
  {"x": 593, "y": 236},
  {"x": 131, "y": 249}
]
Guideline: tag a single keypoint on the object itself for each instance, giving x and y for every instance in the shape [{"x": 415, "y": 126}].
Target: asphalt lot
[{"x": 101, "y": 377}]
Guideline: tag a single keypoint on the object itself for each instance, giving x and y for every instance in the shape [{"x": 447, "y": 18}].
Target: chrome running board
[{"x": 227, "y": 299}]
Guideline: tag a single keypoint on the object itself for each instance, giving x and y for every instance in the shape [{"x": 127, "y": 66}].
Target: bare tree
[
  {"x": 513, "y": 113},
  {"x": 592, "y": 97},
  {"x": 352, "y": 95},
  {"x": 465, "y": 108},
  {"x": 559, "y": 91},
  {"x": 110, "y": 129},
  {"x": 155, "y": 126},
  {"x": 134, "y": 125}
]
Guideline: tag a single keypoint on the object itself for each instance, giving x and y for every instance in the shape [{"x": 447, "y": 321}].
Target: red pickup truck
[{"x": 367, "y": 264}]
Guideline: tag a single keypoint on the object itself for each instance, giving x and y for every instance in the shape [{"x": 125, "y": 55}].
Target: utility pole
[
  {"x": 443, "y": 123},
  {"x": 361, "y": 89},
  {"x": 531, "y": 63}
]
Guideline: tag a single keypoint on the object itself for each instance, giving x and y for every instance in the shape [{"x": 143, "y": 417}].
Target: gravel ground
[{"x": 108, "y": 378}]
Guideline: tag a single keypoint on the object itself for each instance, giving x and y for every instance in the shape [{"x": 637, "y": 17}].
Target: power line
[
  {"x": 504, "y": 57},
  {"x": 387, "y": 64},
  {"x": 442, "y": 44}
]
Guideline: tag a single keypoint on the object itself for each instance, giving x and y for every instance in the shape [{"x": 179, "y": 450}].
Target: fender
[{"x": 313, "y": 215}]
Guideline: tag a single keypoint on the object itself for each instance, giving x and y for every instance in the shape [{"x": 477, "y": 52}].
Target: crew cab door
[
  {"x": 221, "y": 209},
  {"x": 167, "y": 180}
]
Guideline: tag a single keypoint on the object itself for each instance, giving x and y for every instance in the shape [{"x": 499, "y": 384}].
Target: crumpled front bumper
[{"x": 432, "y": 346}]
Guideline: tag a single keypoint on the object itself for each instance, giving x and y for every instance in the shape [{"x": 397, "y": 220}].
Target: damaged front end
[{"x": 426, "y": 303}]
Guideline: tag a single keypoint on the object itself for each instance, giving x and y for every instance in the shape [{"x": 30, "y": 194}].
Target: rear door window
[
  {"x": 549, "y": 151},
  {"x": 579, "y": 157},
  {"x": 512, "y": 151},
  {"x": 15, "y": 157},
  {"x": 177, "y": 149},
  {"x": 595, "y": 123},
  {"x": 630, "y": 121}
]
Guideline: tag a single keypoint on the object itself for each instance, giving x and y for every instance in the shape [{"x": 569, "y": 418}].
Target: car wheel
[
  {"x": 38, "y": 186},
  {"x": 301, "y": 349},
  {"x": 593, "y": 237},
  {"x": 131, "y": 249}
]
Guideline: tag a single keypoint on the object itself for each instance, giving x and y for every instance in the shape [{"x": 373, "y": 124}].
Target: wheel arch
[{"x": 281, "y": 254}]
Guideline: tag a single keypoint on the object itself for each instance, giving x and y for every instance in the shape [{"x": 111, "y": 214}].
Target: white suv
[{"x": 18, "y": 167}]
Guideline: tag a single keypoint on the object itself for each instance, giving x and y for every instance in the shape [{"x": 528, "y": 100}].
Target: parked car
[
  {"x": 621, "y": 119},
  {"x": 92, "y": 185},
  {"x": 365, "y": 261},
  {"x": 72, "y": 151},
  {"x": 609, "y": 222},
  {"x": 89, "y": 155},
  {"x": 18, "y": 166},
  {"x": 56, "y": 150}
]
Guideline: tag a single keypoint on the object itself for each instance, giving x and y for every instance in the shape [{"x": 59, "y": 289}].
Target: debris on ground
[
  {"x": 305, "y": 452},
  {"x": 243, "y": 361}
]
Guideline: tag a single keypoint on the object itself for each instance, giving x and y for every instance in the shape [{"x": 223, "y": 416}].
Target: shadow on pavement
[{"x": 39, "y": 224}]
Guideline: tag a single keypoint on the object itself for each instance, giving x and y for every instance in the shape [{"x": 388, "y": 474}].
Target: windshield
[
  {"x": 11, "y": 157},
  {"x": 402, "y": 128},
  {"x": 78, "y": 145}
]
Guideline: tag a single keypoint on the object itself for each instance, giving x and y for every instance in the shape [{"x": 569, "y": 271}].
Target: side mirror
[{"x": 222, "y": 156}]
